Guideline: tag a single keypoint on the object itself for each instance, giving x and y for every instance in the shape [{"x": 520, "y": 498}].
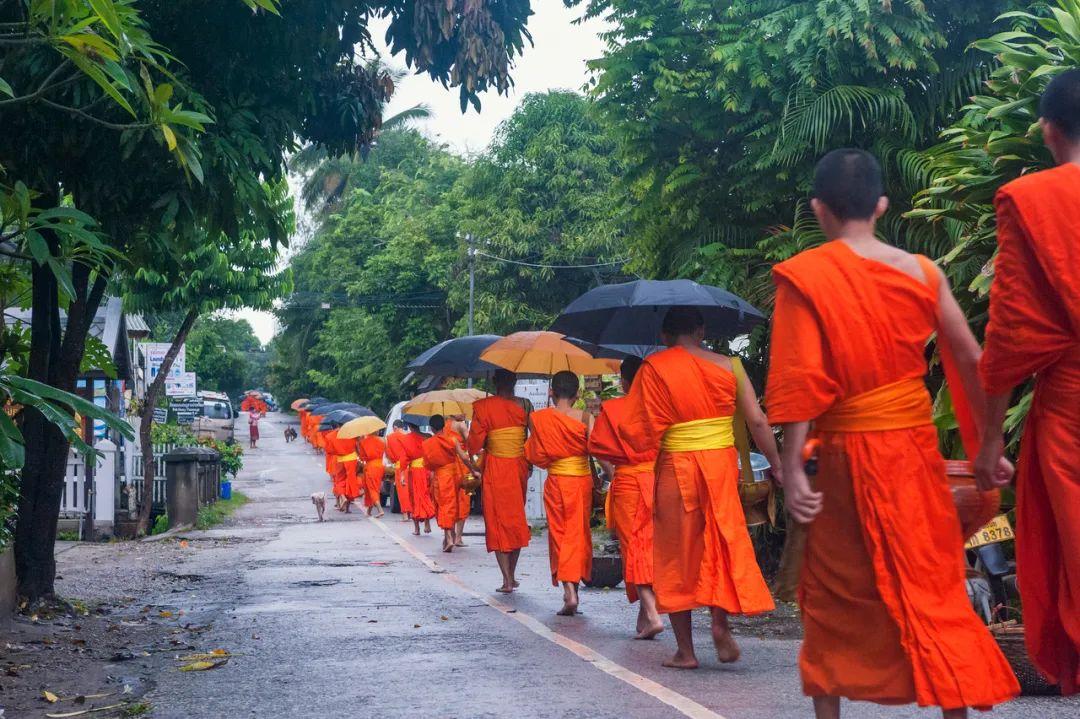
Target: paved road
[{"x": 354, "y": 616}]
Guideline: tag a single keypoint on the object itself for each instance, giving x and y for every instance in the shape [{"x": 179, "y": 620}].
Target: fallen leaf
[
  {"x": 50, "y": 697},
  {"x": 183, "y": 544},
  {"x": 164, "y": 614},
  {"x": 444, "y": 618},
  {"x": 416, "y": 626},
  {"x": 220, "y": 652},
  {"x": 202, "y": 666}
]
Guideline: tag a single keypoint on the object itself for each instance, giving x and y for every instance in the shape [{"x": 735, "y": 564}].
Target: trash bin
[{"x": 226, "y": 489}]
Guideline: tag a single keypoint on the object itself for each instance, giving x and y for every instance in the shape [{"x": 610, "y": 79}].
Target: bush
[
  {"x": 232, "y": 454},
  {"x": 161, "y": 525},
  {"x": 219, "y": 511}
]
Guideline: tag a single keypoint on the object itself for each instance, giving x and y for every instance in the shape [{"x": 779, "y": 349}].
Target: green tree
[
  {"x": 268, "y": 82},
  {"x": 385, "y": 277},
  {"x": 722, "y": 107},
  {"x": 220, "y": 351}
]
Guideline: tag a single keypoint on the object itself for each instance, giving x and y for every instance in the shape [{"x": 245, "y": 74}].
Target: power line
[{"x": 552, "y": 267}]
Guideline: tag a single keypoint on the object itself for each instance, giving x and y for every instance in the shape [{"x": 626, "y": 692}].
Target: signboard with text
[
  {"x": 186, "y": 409},
  {"x": 180, "y": 386},
  {"x": 155, "y": 352}
]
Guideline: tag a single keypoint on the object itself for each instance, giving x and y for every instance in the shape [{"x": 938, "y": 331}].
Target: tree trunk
[
  {"x": 54, "y": 359},
  {"x": 153, "y": 393}
]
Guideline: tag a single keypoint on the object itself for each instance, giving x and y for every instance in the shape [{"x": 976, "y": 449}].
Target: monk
[
  {"x": 559, "y": 442},
  {"x": 498, "y": 435},
  {"x": 450, "y": 464},
  {"x": 372, "y": 449},
  {"x": 396, "y": 452},
  {"x": 630, "y": 501},
  {"x": 683, "y": 405},
  {"x": 423, "y": 506},
  {"x": 322, "y": 440},
  {"x": 885, "y": 612},
  {"x": 1034, "y": 330},
  {"x": 341, "y": 460}
]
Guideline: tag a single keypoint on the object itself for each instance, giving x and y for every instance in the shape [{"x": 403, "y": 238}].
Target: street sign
[
  {"x": 161, "y": 415},
  {"x": 593, "y": 383},
  {"x": 155, "y": 353},
  {"x": 186, "y": 409},
  {"x": 534, "y": 390},
  {"x": 180, "y": 386}
]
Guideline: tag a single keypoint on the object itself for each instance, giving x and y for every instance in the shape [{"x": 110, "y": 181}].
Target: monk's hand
[
  {"x": 802, "y": 502},
  {"x": 992, "y": 469}
]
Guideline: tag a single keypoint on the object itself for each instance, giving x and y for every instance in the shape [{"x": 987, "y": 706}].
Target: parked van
[{"x": 217, "y": 418}]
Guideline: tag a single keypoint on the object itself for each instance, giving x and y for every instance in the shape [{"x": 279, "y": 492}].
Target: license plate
[{"x": 997, "y": 529}]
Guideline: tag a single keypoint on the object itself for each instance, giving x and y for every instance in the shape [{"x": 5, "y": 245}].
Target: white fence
[{"x": 112, "y": 469}]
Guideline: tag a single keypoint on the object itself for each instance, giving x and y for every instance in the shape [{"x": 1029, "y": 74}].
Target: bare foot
[
  {"x": 649, "y": 631},
  {"x": 641, "y": 621},
  {"x": 569, "y": 609},
  {"x": 727, "y": 649},
  {"x": 505, "y": 590},
  {"x": 516, "y": 584},
  {"x": 427, "y": 527},
  {"x": 447, "y": 547},
  {"x": 678, "y": 661},
  {"x": 416, "y": 533},
  {"x": 380, "y": 515}
]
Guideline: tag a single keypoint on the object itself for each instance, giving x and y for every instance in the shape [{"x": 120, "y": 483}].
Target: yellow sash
[
  {"x": 715, "y": 432},
  {"x": 899, "y": 405},
  {"x": 417, "y": 463},
  {"x": 570, "y": 467},
  {"x": 622, "y": 469},
  {"x": 348, "y": 457},
  {"x": 506, "y": 442}
]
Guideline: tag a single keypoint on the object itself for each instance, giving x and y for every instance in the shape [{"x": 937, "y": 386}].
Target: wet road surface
[{"x": 354, "y": 616}]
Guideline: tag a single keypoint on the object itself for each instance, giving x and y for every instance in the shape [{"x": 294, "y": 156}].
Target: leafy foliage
[{"x": 391, "y": 264}]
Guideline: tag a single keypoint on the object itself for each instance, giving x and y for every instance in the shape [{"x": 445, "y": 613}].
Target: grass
[
  {"x": 219, "y": 511},
  {"x": 136, "y": 710},
  {"x": 67, "y": 536}
]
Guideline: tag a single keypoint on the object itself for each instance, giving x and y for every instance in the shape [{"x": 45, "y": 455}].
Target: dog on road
[
  {"x": 290, "y": 435},
  {"x": 319, "y": 500}
]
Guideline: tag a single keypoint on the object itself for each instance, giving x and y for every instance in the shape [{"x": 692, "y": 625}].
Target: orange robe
[
  {"x": 451, "y": 502},
  {"x": 554, "y": 439},
  {"x": 395, "y": 450},
  {"x": 317, "y": 436},
  {"x": 505, "y": 478},
  {"x": 1034, "y": 329},
  {"x": 341, "y": 467},
  {"x": 702, "y": 554},
  {"x": 330, "y": 461},
  {"x": 303, "y": 414},
  {"x": 630, "y": 494},
  {"x": 371, "y": 453},
  {"x": 885, "y": 612},
  {"x": 423, "y": 506}
]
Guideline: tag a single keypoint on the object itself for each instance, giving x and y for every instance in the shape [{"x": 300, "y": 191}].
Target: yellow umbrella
[
  {"x": 297, "y": 403},
  {"x": 544, "y": 353},
  {"x": 360, "y": 427},
  {"x": 445, "y": 402}
]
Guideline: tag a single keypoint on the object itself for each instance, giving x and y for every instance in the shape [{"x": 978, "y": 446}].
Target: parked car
[{"x": 217, "y": 418}]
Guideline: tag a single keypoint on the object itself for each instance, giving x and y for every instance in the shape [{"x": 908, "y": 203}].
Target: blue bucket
[{"x": 226, "y": 489}]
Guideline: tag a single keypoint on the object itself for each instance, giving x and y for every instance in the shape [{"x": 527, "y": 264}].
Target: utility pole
[
  {"x": 472, "y": 288},
  {"x": 472, "y": 280}
]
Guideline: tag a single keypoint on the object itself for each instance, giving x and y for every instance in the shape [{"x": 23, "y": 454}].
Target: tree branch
[{"x": 104, "y": 123}]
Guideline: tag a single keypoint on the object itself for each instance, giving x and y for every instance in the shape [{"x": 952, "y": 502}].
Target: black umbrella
[
  {"x": 631, "y": 313},
  {"x": 457, "y": 357},
  {"x": 615, "y": 351},
  {"x": 335, "y": 419}
]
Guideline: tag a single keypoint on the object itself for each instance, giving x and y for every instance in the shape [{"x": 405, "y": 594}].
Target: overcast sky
[{"x": 556, "y": 60}]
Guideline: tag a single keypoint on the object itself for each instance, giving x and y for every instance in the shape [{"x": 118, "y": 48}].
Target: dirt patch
[
  {"x": 782, "y": 623},
  {"x": 60, "y": 657}
]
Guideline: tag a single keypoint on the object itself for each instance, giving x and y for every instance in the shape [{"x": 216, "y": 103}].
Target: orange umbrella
[
  {"x": 447, "y": 402},
  {"x": 360, "y": 427},
  {"x": 297, "y": 404},
  {"x": 544, "y": 353}
]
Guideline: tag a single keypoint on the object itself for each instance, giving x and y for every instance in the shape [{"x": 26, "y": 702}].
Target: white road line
[{"x": 681, "y": 703}]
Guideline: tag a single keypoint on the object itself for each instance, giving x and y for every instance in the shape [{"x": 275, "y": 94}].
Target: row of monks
[
  {"x": 882, "y": 594},
  {"x": 429, "y": 472}
]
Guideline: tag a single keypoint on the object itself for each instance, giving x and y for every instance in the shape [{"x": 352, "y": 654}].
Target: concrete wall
[{"x": 7, "y": 583}]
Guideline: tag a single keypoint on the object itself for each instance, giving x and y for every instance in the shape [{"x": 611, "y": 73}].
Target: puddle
[{"x": 315, "y": 583}]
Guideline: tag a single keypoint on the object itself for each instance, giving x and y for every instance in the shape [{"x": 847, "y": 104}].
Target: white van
[{"x": 217, "y": 418}]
